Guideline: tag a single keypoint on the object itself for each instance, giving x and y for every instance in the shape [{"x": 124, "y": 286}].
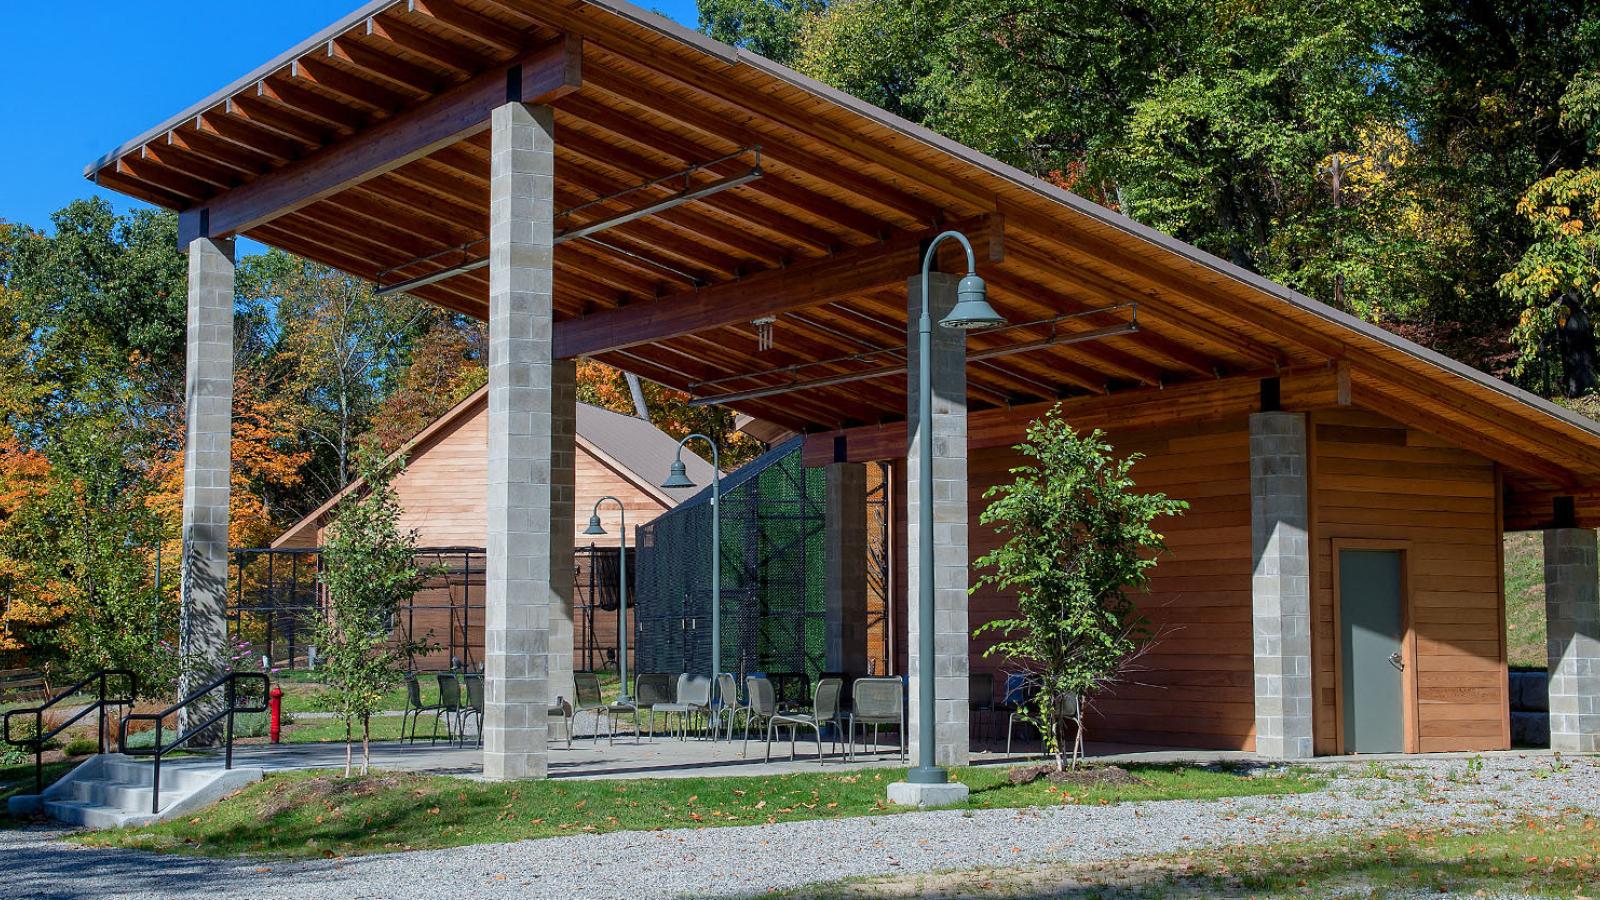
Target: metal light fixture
[
  {"x": 595, "y": 528},
  {"x": 972, "y": 311},
  {"x": 678, "y": 477}
]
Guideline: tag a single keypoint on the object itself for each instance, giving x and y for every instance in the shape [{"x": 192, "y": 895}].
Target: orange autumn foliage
[
  {"x": 604, "y": 386},
  {"x": 24, "y": 477},
  {"x": 261, "y": 464}
]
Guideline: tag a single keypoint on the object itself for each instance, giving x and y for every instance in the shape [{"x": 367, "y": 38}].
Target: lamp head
[
  {"x": 594, "y": 525},
  {"x": 678, "y": 477},
  {"x": 972, "y": 309}
]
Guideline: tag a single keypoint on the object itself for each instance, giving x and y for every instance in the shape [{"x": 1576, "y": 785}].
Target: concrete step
[
  {"x": 87, "y": 815},
  {"x": 184, "y": 773},
  {"x": 97, "y": 792},
  {"x": 112, "y": 791}
]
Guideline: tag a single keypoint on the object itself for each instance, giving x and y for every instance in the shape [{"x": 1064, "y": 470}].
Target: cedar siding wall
[
  {"x": 444, "y": 489},
  {"x": 1196, "y": 687},
  {"x": 1374, "y": 479}
]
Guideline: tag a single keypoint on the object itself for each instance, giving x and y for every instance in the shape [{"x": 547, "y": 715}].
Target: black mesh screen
[{"x": 773, "y": 580}]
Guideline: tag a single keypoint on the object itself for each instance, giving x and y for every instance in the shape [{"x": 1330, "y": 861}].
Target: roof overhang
[{"x": 364, "y": 148}]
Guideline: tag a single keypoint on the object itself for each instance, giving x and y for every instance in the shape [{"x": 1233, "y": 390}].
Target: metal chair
[
  {"x": 449, "y": 707},
  {"x": 824, "y": 709},
  {"x": 586, "y": 685},
  {"x": 693, "y": 700},
  {"x": 1019, "y": 693},
  {"x": 878, "y": 701},
  {"x": 1070, "y": 708},
  {"x": 649, "y": 691},
  {"x": 414, "y": 707},
  {"x": 473, "y": 707},
  {"x": 561, "y": 711},
  {"x": 980, "y": 697},
  {"x": 726, "y": 703},
  {"x": 761, "y": 706}
]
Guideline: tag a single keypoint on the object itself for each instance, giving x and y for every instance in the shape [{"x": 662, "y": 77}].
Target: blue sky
[{"x": 85, "y": 76}]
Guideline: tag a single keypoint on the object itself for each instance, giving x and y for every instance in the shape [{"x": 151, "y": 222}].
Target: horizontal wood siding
[
  {"x": 1195, "y": 687},
  {"x": 1375, "y": 479},
  {"x": 444, "y": 489}
]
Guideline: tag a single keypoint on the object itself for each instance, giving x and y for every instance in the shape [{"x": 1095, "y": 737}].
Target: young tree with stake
[
  {"x": 369, "y": 569},
  {"x": 1077, "y": 539}
]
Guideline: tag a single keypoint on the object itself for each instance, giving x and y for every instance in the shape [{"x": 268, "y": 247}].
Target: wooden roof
[{"x": 366, "y": 148}]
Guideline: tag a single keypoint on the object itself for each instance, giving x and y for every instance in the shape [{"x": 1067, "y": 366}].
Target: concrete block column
[
  {"x": 949, "y": 434},
  {"x": 1281, "y": 586},
  {"x": 1572, "y": 618},
  {"x": 523, "y": 499},
  {"x": 845, "y": 552},
  {"x": 207, "y": 457}
]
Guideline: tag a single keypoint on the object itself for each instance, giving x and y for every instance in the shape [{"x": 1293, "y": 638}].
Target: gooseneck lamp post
[
  {"x": 622, "y": 585},
  {"x": 972, "y": 311},
  {"x": 678, "y": 477}
]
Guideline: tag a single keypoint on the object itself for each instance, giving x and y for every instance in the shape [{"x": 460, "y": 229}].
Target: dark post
[{"x": 228, "y": 693}]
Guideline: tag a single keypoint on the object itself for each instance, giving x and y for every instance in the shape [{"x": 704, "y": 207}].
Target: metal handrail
[
  {"x": 230, "y": 705},
  {"x": 40, "y": 737}
]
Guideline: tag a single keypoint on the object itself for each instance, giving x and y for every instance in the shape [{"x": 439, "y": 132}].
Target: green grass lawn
[
  {"x": 18, "y": 779},
  {"x": 1535, "y": 857},
  {"x": 1541, "y": 857},
  {"x": 1524, "y": 574},
  {"x": 310, "y": 696},
  {"x": 319, "y": 814}
]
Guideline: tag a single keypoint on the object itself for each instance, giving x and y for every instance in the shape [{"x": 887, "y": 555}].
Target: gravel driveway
[{"x": 755, "y": 859}]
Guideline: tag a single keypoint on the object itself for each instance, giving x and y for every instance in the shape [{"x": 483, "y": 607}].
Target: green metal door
[{"x": 1371, "y": 626}]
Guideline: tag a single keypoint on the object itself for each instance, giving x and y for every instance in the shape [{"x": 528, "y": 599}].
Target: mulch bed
[{"x": 1084, "y": 775}]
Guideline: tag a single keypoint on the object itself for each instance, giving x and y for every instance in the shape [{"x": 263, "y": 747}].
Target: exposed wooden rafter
[{"x": 546, "y": 74}]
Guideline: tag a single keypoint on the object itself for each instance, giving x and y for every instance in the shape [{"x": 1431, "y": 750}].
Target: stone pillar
[
  {"x": 845, "y": 552},
  {"x": 1572, "y": 619},
  {"x": 1281, "y": 586},
  {"x": 949, "y": 430},
  {"x": 207, "y": 457},
  {"x": 521, "y": 579}
]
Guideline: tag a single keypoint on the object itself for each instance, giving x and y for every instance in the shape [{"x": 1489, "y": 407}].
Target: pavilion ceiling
[{"x": 823, "y": 240}]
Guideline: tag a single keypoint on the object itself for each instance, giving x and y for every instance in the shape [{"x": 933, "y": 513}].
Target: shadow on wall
[{"x": 1530, "y": 708}]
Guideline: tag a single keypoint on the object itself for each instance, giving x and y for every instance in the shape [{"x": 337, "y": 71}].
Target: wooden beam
[
  {"x": 1198, "y": 401},
  {"x": 242, "y": 133},
  {"x": 397, "y": 73},
  {"x": 723, "y": 128},
  {"x": 1408, "y": 408},
  {"x": 421, "y": 43},
  {"x": 291, "y": 98},
  {"x": 771, "y": 292},
  {"x": 468, "y": 24},
  {"x": 369, "y": 95},
  {"x": 272, "y": 118},
  {"x": 547, "y": 74}
]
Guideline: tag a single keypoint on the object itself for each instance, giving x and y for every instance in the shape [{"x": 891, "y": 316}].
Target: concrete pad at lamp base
[{"x": 906, "y": 793}]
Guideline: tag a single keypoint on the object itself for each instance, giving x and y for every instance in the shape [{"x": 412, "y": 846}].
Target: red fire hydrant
[{"x": 275, "y": 706}]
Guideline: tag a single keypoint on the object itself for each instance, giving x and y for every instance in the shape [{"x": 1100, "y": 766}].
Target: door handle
[{"x": 1396, "y": 661}]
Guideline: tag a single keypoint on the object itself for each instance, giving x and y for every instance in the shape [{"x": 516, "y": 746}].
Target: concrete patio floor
[{"x": 668, "y": 757}]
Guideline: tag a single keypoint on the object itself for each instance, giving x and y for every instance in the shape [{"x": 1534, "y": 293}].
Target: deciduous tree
[
  {"x": 1076, "y": 538},
  {"x": 369, "y": 568}
]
